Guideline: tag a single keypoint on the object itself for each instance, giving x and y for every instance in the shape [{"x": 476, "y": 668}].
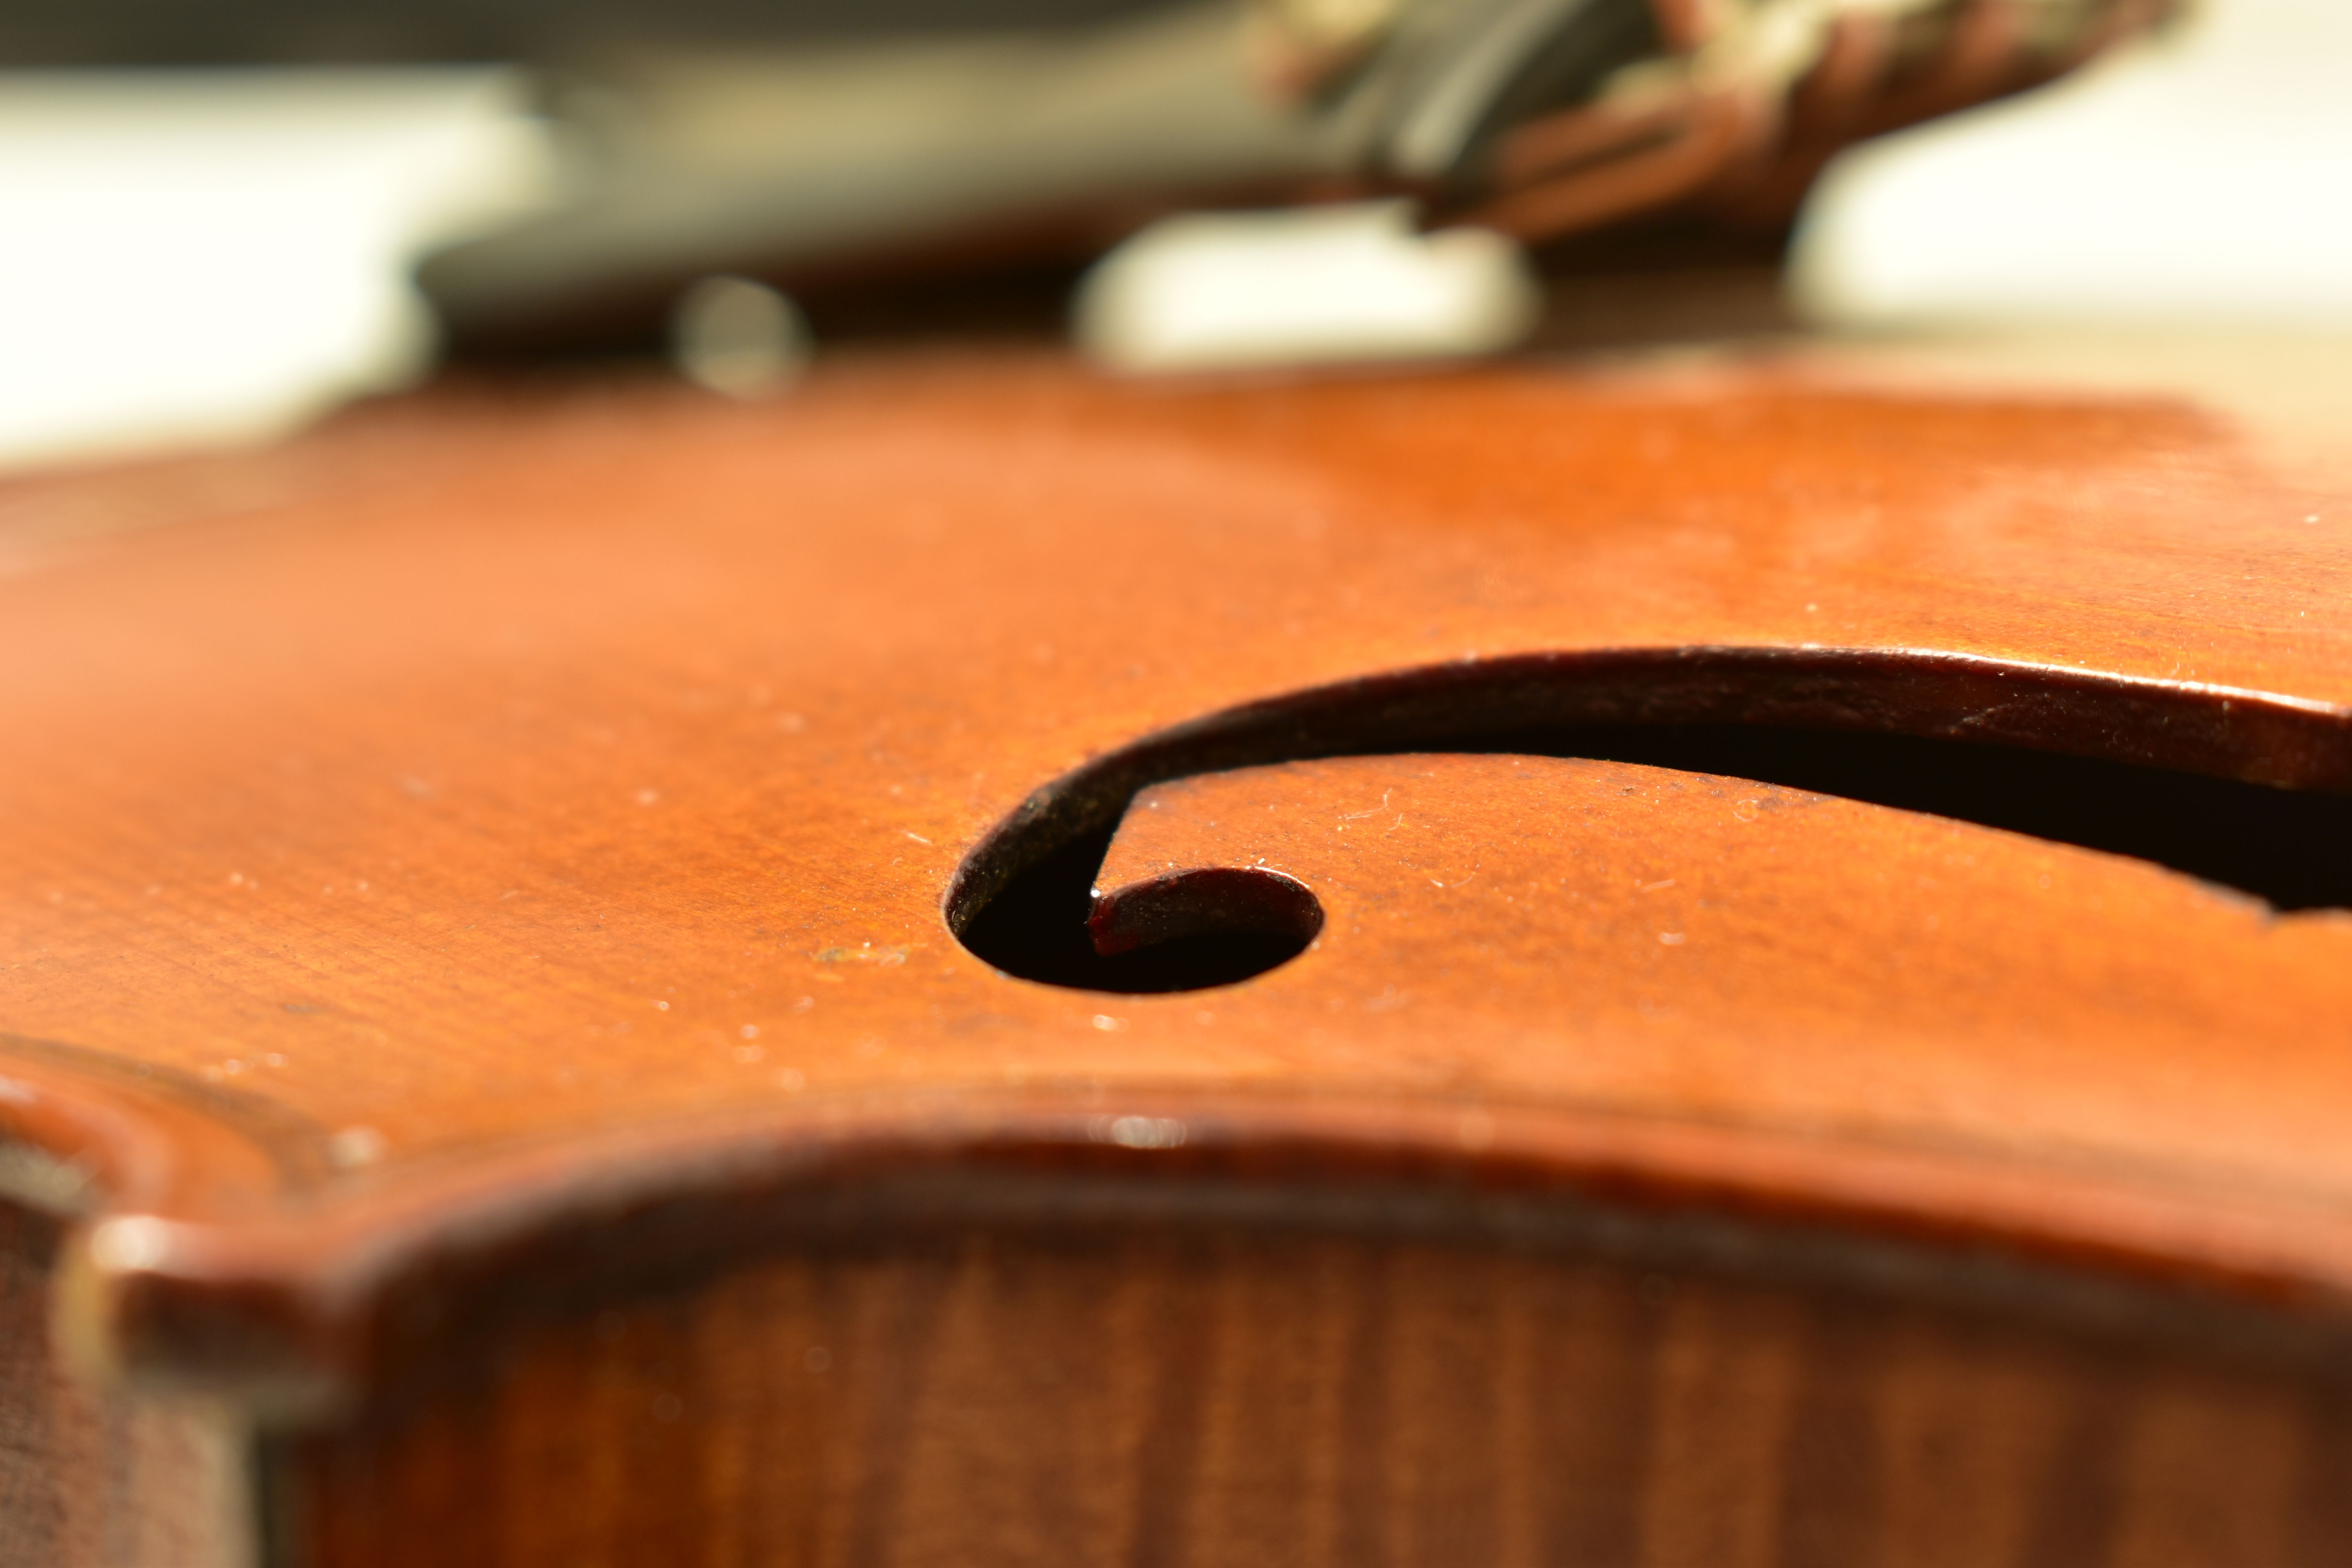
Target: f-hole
[{"x": 2240, "y": 789}]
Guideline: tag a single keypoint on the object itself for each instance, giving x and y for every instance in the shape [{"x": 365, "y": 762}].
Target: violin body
[{"x": 1724, "y": 960}]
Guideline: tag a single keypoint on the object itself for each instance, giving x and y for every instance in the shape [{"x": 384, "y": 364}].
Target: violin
[{"x": 1729, "y": 958}]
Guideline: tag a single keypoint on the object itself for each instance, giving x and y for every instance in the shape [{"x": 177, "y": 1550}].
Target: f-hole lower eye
[{"x": 1215, "y": 928}]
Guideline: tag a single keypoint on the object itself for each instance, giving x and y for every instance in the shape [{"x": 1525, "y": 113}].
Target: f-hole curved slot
[{"x": 2243, "y": 789}]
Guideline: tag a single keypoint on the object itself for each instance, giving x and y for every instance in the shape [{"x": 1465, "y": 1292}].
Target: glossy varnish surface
[
  {"x": 1645, "y": 910},
  {"x": 492, "y": 806}
]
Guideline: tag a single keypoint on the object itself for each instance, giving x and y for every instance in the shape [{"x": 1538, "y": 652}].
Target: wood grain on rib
[{"x": 1187, "y": 1400}]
